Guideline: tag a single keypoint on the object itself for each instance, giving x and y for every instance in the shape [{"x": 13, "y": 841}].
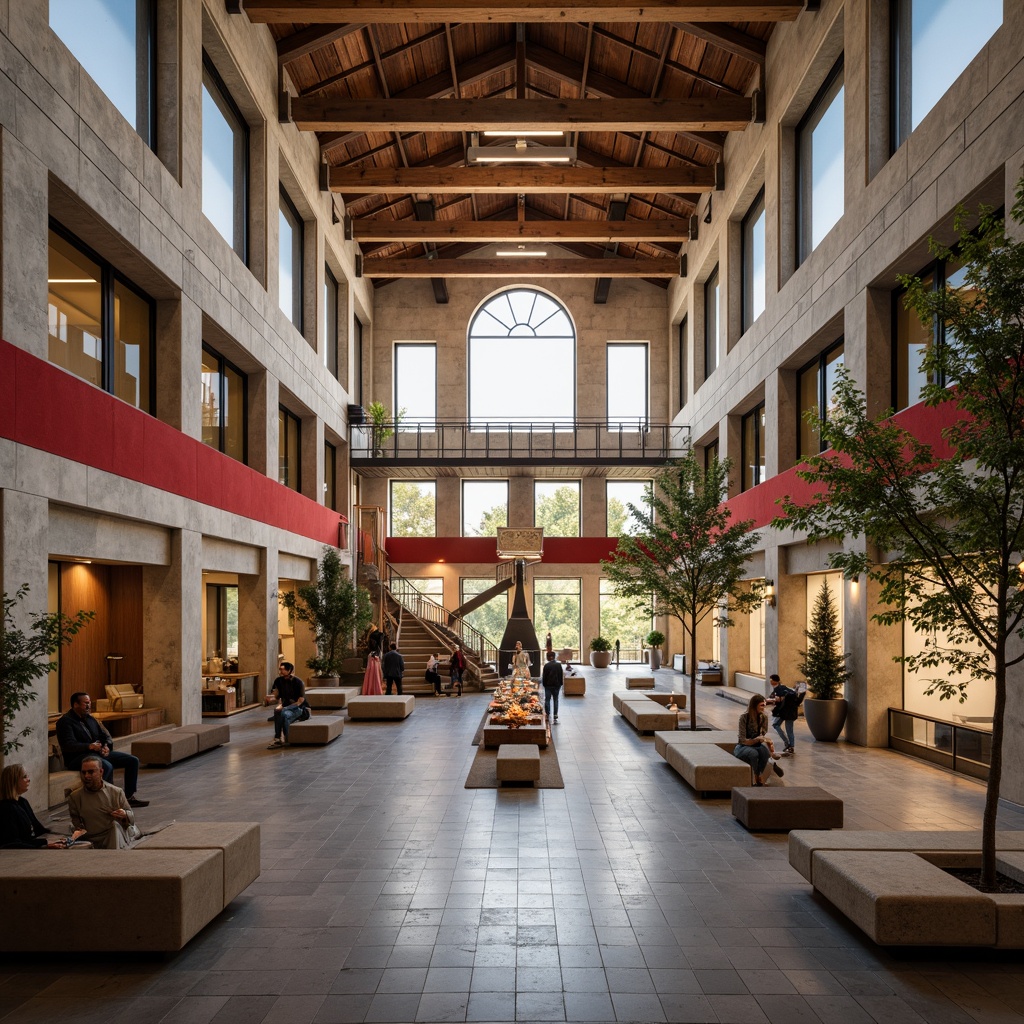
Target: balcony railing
[{"x": 581, "y": 441}]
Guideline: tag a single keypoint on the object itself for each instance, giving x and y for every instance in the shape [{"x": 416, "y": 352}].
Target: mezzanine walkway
[{"x": 391, "y": 893}]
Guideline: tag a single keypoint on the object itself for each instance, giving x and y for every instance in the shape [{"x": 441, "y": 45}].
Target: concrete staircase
[{"x": 417, "y": 642}]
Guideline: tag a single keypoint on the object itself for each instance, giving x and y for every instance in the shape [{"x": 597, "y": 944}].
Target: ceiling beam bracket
[
  {"x": 284, "y": 101},
  {"x": 682, "y": 265},
  {"x": 359, "y": 265},
  {"x": 233, "y": 6},
  {"x": 694, "y": 228},
  {"x": 720, "y": 176},
  {"x": 759, "y": 106},
  {"x": 325, "y": 178},
  {"x": 348, "y": 226}
]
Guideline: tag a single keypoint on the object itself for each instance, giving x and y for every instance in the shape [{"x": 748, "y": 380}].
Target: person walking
[
  {"x": 392, "y": 665},
  {"x": 456, "y": 666},
  {"x": 785, "y": 703},
  {"x": 551, "y": 679}
]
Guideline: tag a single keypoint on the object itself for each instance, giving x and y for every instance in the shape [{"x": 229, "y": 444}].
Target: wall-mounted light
[{"x": 769, "y": 593}]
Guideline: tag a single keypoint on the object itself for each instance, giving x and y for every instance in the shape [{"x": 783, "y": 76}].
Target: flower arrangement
[{"x": 516, "y": 716}]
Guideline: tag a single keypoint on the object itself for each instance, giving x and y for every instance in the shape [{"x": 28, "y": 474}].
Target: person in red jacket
[{"x": 456, "y": 666}]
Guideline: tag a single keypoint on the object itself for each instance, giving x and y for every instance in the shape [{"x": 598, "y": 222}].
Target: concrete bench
[
  {"x": 316, "y": 731},
  {"x": 647, "y": 716},
  {"x": 330, "y": 698},
  {"x": 664, "y": 698},
  {"x": 639, "y": 682},
  {"x": 767, "y": 808},
  {"x": 155, "y": 900},
  {"x": 708, "y": 768},
  {"x": 574, "y": 686},
  {"x": 176, "y": 744},
  {"x": 381, "y": 706},
  {"x": 237, "y": 841},
  {"x": 518, "y": 762}
]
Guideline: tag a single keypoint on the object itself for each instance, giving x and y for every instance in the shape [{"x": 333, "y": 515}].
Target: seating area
[
  {"x": 648, "y": 712},
  {"x": 171, "y": 745},
  {"x": 518, "y": 762},
  {"x": 316, "y": 731},
  {"x": 639, "y": 682},
  {"x": 782, "y": 808},
  {"x": 330, "y": 698},
  {"x": 160, "y": 894},
  {"x": 574, "y": 686},
  {"x": 381, "y": 706}
]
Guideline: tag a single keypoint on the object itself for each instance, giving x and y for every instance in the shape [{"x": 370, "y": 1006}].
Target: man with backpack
[{"x": 785, "y": 709}]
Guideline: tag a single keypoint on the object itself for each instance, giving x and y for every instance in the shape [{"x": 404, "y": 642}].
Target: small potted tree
[
  {"x": 600, "y": 652},
  {"x": 382, "y": 424},
  {"x": 654, "y": 640},
  {"x": 334, "y": 607},
  {"x": 26, "y": 656},
  {"x": 824, "y": 668}
]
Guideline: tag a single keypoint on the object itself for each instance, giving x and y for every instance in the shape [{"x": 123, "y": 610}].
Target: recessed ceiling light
[{"x": 521, "y": 252}]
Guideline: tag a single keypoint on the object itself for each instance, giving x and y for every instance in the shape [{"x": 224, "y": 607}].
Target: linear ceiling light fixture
[
  {"x": 521, "y": 152},
  {"x": 521, "y": 251},
  {"x": 540, "y": 133}
]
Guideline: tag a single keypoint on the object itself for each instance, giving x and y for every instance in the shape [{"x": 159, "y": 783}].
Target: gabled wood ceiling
[{"x": 393, "y": 89}]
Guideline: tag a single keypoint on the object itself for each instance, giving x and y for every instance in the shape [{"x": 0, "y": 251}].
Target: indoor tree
[
  {"x": 687, "y": 553},
  {"x": 334, "y": 607},
  {"x": 950, "y": 516},
  {"x": 26, "y": 655}
]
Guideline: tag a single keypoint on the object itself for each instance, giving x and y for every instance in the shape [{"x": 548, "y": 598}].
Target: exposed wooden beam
[
  {"x": 723, "y": 113},
  {"x": 727, "y": 38},
  {"x": 483, "y": 180},
  {"x": 521, "y": 267},
  {"x": 374, "y": 230},
  {"x": 309, "y": 40},
  {"x": 440, "y": 11}
]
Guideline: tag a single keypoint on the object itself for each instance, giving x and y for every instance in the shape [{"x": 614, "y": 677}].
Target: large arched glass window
[{"x": 522, "y": 361}]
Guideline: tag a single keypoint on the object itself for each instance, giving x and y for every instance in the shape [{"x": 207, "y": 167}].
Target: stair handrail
[{"x": 404, "y": 591}]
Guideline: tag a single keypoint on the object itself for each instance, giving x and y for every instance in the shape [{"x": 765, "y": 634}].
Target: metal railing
[
  {"x": 404, "y": 591},
  {"x": 583, "y": 440}
]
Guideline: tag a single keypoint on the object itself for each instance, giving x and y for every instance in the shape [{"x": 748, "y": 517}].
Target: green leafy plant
[
  {"x": 334, "y": 607},
  {"x": 383, "y": 424},
  {"x": 655, "y": 638},
  {"x": 824, "y": 662},
  {"x": 600, "y": 644},
  {"x": 26, "y": 655}
]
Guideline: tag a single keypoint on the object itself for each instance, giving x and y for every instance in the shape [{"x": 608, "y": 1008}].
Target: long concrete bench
[
  {"x": 381, "y": 706},
  {"x": 708, "y": 768},
  {"x": 518, "y": 762},
  {"x": 176, "y": 744},
  {"x": 160, "y": 894},
  {"x": 663, "y": 698},
  {"x": 778, "y": 808},
  {"x": 316, "y": 731},
  {"x": 639, "y": 682},
  {"x": 647, "y": 715},
  {"x": 330, "y": 698},
  {"x": 574, "y": 686}
]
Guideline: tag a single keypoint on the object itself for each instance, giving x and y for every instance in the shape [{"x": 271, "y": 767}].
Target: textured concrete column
[
  {"x": 447, "y": 506},
  {"x": 172, "y": 649},
  {"x": 311, "y": 458},
  {"x": 179, "y": 339},
  {"x": 24, "y": 533},
  {"x": 23, "y": 247},
  {"x": 520, "y": 501},
  {"x": 257, "y": 620},
  {"x": 786, "y": 622},
  {"x": 593, "y": 507}
]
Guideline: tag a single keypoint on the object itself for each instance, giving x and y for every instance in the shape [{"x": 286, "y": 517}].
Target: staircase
[{"x": 417, "y": 642}]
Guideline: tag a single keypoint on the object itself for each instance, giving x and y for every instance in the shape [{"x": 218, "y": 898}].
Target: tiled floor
[{"x": 391, "y": 893}]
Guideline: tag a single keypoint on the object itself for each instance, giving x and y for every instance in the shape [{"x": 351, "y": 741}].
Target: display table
[
  {"x": 219, "y": 703},
  {"x": 537, "y": 733}
]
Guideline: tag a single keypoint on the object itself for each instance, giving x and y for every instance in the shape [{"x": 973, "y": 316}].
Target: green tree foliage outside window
[
  {"x": 558, "y": 511},
  {"x": 491, "y": 520},
  {"x": 413, "y": 509},
  {"x": 556, "y": 610},
  {"x": 622, "y": 619},
  {"x": 491, "y": 618}
]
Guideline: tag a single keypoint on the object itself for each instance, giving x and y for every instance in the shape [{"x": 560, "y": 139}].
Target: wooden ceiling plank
[
  {"x": 376, "y": 230},
  {"x": 309, "y": 40},
  {"x": 727, "y": 38},
  {"x": 723, "y": 113},
  {"x": 502, "y": 180},
  {"x": 667, "y": 267},
  {"x": 440, "y": 11}
]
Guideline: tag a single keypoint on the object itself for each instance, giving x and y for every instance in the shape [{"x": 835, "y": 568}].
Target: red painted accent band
[
  {"x": 45, "y": 407},
  {"x": 557, "y": 550}
]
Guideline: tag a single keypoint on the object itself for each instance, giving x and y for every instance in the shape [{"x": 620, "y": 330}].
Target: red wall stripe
[
  {"x": 557, "y": 550},
  {"x": 44, "y": 407}
]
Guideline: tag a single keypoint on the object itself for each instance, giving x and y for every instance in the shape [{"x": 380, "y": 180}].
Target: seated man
[
  {"x": 100, "y": 808},
  {"x": 290, "y": 694},
  {"x": 79, "y": 735}
]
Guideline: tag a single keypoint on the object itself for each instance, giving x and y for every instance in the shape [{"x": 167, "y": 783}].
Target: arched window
[{"x": 522, "y": 361}]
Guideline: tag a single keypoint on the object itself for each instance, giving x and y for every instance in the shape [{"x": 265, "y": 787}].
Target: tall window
[
  {"x": 556, "y": 507},
  {"x": 712, "y": 325},
  {"x": 492, "y": 616},
  {"x": 329, "y": 327},
  {"x": 622, "y": 621},
  {"x": 114, "y": 41},
  {"x": 816, "y": 384},
  {"x": 521, "y": 327},
  {"x": 820, "y": 150},
  {"x": 484, "y": 507},
  {"x": 912, "y": 339},
  {"x": 330, "y": 476},
  {"x": 710, "y": 454},
  {"x": 556, "y": 610},
  {"x": 627, "y": 386},
  {"x": 357, "y": 361},
  {"x": 101, "y": 328},
  {"x": 932, "y": 41},
  {"x": 224, "y": 405},
  {"x": 753, "y": 262},
  {"x": 619, "y": 495},
  {"x": 416, "y": 383},
  {"x": 289, "y": 260},
  {"x": 225, "y": 162},
  {"x": 288, "y": 430},
  {"x": 413, "y": 508},
  {"x": 683, "y": 355},
  {"x": 753, "y": 447},
  {"x": 221, "y": 620}
]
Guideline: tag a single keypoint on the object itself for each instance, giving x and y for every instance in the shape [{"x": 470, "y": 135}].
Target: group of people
[
  {"x": 102, "y": 814},
  {"x": 456, "y": 668},
  {"x": 552, "y": 675},
  {"x": 753, "y": 744}
]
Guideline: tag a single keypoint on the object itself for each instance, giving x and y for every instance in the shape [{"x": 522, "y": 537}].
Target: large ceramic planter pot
[
  {"x": 825, "y": 718},
  {"x": 655, "y": 659},
  {"x": 326, "y": 681},
  {"x": 600, "y": 659}
]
